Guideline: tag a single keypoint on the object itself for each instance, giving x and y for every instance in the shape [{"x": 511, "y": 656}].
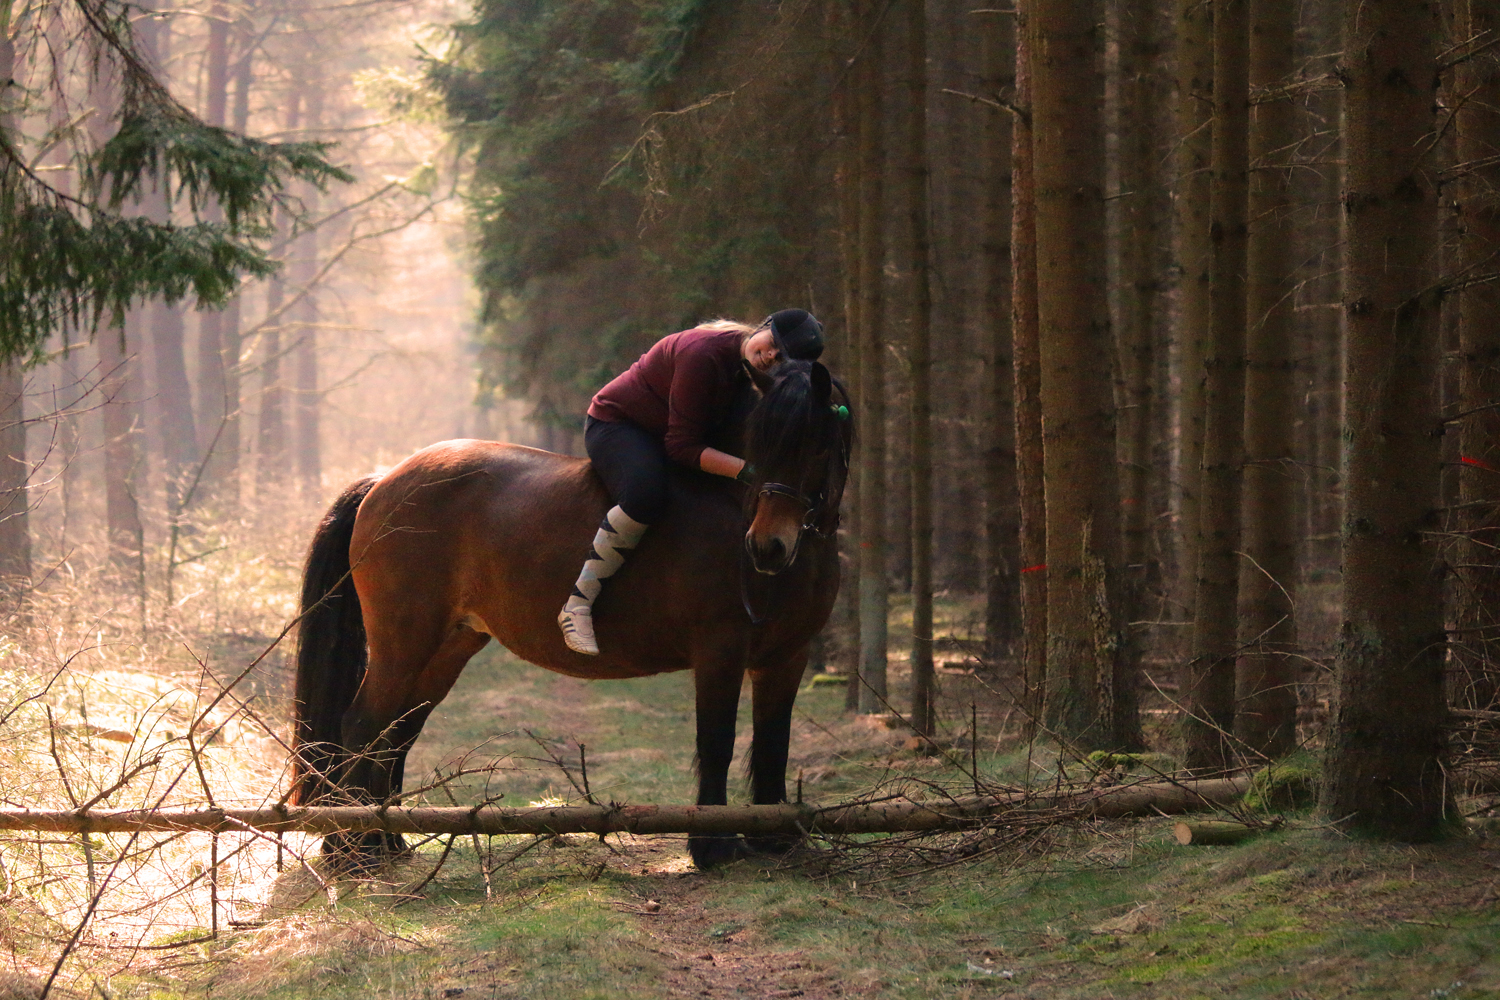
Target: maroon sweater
[{"x": 680, "y": 389}]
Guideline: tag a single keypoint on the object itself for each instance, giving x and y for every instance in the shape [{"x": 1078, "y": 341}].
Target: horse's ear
[
  {"x": 822, "y": 384},
  {"x": 761, "y": 380}
]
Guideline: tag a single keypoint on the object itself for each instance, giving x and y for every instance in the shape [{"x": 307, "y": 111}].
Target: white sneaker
[{"x": 578, "y": 630}]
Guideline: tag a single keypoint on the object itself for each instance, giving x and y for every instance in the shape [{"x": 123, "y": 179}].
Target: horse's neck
[{"x": 730, "y": 435}]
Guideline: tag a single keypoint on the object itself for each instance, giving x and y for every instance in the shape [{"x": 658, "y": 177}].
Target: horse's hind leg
[
  {"x": 773, "y": 691},
  {"x": 402, "y": 685}
]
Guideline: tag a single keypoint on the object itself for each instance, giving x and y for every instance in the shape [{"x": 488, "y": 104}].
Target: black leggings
[{"x": 633, "y": 464}]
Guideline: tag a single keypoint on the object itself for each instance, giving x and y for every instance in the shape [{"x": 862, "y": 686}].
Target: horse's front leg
[
  {"x": 716, "y": 681},
  {"x": 773, "y": 689}
]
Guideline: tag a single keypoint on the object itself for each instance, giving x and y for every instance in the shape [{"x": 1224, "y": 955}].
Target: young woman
[{"x": 659, "y": 411}]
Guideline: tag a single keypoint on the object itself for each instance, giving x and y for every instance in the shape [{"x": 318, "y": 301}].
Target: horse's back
[{"x": 493, "y": 535}]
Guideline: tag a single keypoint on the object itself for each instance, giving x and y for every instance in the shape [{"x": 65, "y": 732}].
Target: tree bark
[
  {"x": 787, "y": 818},
  {"x": 1476, "y": 650},
  {"x": 1001, "y": 521},
  {"x": 124, "y": 462},
  {"x": 846, "y": 186},
  {"x": 271, "y": 438},
  {"x": 273, "y": 454},
  {"x": 1208, "y": 695},
  {"x": 874, "y": 595},
  {"x": 15, "y": 533},
  {"x": 1135, "y": 243},
  {"x": 919, "y": 355},
  {"x": 66, "y": 401},
  {"x": 1086, "y": 665},
  {"x": 1266, "y": 696},
  {"x": 174, "y": 403},
  {"x": 172, "y": 398},
  {"x": 217, "y": 327},
  {"x": 306, "y": 401},
  {"x": 1382, "y": 774},
  {"x": 1212, "y": 833},
  {"x": 1194, "y": 252},
  {"x": 1027, "y": 355}
]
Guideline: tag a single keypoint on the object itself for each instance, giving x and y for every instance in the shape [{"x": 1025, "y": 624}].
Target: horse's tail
[{"x": 330, "y": 648}]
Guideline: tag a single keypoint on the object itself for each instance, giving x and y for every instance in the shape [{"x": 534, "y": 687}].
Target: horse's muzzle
[{"x": 771, "y": 552}]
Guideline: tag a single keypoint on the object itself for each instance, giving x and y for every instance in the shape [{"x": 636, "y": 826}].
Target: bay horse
[{"x": 411, "y": 573}]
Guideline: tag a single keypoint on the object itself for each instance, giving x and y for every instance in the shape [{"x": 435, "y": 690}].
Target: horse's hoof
[
  {"x": 359, "y": 854},
  {"x": 712, "y": 851},
  {"x": 778, "y": 844}
]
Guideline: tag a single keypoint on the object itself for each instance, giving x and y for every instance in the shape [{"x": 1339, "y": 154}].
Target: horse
[{"x": 411, "y": 573}]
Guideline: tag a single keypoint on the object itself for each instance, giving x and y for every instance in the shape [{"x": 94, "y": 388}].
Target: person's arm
[{"x": 720, "y": 463}]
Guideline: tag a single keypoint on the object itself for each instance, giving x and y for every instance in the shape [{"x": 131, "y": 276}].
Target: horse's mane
[{"x": 791, "y": 425}]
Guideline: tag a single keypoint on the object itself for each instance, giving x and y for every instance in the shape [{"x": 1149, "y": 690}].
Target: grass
[
  {"x": 1292, "y": 914},
  {"x": 1114, "y": 910}
]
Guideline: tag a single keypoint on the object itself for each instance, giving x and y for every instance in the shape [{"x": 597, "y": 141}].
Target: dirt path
[{"x": 707, "y": 959}]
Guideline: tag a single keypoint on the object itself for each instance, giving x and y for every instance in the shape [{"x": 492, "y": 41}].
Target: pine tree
[
  {"x": 919, "y": 356},
  {"x": 874, "y": 596},
  {"x": 1085, "y": 659},
  {"x": 75, "y": 258},
  {"x": 1208, "y": 695},
  {"x": 1382, "y": 772},
  {"x": 1266, "y": 697},
  {"x": 1027, "y": 358}
]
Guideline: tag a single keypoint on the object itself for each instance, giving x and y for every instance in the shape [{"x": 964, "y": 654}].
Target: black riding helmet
[{"x": 797, "y": 333}]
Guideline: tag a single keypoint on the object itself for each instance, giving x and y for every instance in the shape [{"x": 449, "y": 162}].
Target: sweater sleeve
[{"x": 693, "y": 402}]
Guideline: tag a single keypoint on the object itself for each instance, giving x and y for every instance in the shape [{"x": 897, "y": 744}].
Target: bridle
[
  {"x": 813, "y": 510},
  {"x": 812, "y": 507}
]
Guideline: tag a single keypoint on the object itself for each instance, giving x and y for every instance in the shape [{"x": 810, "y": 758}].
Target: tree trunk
[
  {"x": 173, "y": 396},
  {"x": 215, "y": 407},
  {"x": 785, "y": 818},
  {"x": 874, "y": 595},
  {"x": 124, "y": 463},
  {"x": 846, "y": 186},
  {"x": 270, "y": 441},
  {"x": 1383, "y": 773},
  {"x": 306, "y": 402},
  {"x": 919, "y": 355},
  {"x": 1000, "y": 500},
  {"x": 1266, "y": 696},
  {"x": 15, "y": 534},
  {"x": 15, "y": 471},
  {"x": 1135, "y": 242},
  {"x": 175, "y": 404},
  {"x": 1027, "y": 355},
  {"x": 66, "y": 402},
  {"x": 1208, "y": 694},
  {"x": 273, "y": 456},
  {"x": 1194, "y": 252},
  {"x": 1086, "y": 665},
  {"x": 1476, "y": 651}
]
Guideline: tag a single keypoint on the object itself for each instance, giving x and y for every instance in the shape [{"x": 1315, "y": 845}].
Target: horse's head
[{"x": 798, "y": 442}]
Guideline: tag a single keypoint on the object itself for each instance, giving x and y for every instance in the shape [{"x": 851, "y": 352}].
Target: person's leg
[{"x": 633, "y": 465}]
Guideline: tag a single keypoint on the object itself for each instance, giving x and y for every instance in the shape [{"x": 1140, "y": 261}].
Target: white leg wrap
[{"x": 617, "y": 535}]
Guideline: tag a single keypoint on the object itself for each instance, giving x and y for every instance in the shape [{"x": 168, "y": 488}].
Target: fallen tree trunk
[
  {"x": 897, "y": 816},
  {"x": 1213, "y": 833}
]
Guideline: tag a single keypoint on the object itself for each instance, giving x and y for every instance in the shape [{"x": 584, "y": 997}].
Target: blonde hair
[{"x": 722, "y": 325}]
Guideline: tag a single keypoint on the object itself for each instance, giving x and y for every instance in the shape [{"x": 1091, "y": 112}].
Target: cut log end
[{"x": 1212, "y": 833}]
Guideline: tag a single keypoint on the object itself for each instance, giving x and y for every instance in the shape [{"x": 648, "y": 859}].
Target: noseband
[
  {"x": 812, "y": 512},
  {"x": 812, "y": 507}
]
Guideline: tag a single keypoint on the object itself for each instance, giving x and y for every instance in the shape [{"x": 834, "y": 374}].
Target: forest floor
[
  {"x": 1100, "y": 909},
  {"x": 1109, "y": 909}
]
